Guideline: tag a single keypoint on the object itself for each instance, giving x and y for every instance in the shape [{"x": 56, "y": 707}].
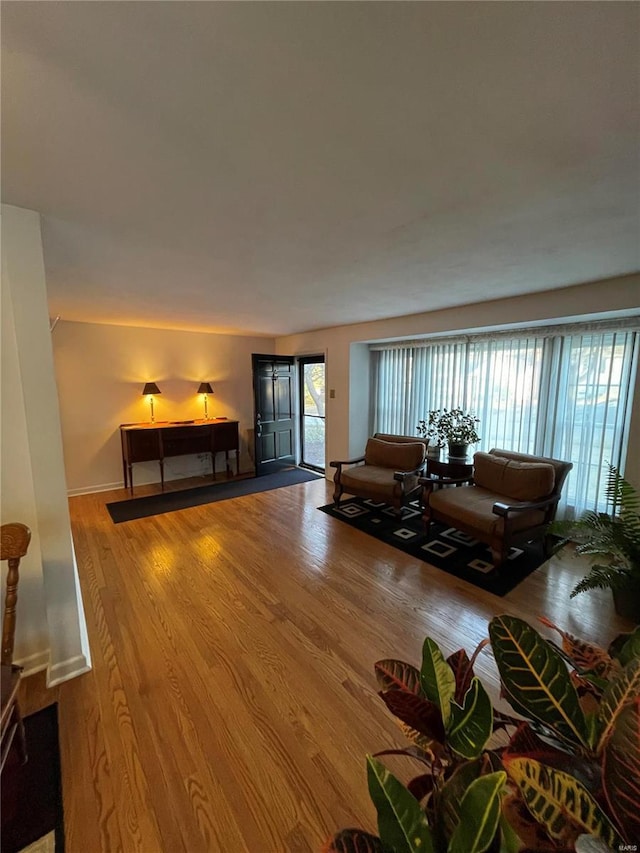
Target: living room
[{"x": 526, "y": 240}]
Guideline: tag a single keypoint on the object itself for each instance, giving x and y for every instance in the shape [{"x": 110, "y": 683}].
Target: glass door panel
[{"x": 312, "y": 427}]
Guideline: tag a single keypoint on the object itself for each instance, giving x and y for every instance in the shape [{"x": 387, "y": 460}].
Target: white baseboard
[
  {"x": 67, "y": 669},
  {"x": 33, "y": 663},
  {"x": 109, "y": 487},
  {"x": 91, "y": 490}
]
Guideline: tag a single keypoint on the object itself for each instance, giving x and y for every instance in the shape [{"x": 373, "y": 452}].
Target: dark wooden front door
[{"x": 273, "y": 390}]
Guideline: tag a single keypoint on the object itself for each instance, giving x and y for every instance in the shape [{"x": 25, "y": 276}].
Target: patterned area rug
[{"x": 445, "y": 547}]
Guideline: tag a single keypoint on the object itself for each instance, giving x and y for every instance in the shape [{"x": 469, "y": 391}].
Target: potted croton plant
[
  {"x": 453, "y": 427},
  {"x": 560, "y": 774}
]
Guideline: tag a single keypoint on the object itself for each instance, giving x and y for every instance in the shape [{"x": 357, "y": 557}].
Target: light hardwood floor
[{"x": 232, "y": 698}]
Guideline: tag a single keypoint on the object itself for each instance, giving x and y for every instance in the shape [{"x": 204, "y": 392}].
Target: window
[{"x": 562, "y": 393}]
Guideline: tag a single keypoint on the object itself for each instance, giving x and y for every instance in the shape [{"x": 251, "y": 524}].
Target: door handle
[{"x": 258, "y": 425}]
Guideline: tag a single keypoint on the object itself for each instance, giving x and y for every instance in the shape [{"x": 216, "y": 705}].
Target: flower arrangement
[{"x": 449, "y": 426}]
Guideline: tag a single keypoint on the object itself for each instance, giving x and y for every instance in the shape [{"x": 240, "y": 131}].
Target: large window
[{"x": 565, "y": 394}]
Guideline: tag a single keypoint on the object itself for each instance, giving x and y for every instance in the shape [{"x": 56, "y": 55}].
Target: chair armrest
[
  {"x": 500, "y": 508},
  {"x": 338, "y": 462},
  {"x": 401, "y": 476}
]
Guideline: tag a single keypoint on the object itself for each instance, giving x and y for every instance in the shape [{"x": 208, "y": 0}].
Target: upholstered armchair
[
  {"x": 387, "y": 472},
  {"x": 511, "y": 499}
]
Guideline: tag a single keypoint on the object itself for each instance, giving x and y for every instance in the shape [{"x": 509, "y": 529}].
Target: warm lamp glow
[
  {"x": 205, "y": 388},
  {"x": 149, "y": 390}
]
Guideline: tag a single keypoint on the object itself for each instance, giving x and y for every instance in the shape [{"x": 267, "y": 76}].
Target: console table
[{"x": 150, "y": 442}]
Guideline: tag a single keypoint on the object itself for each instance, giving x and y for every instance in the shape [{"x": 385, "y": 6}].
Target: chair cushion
[
  {"x": 375, "y": 482},
  {"x": 402, "y": 456},
  {"x": 472, "y": 506},
  {"x": 519, "y": 481}
]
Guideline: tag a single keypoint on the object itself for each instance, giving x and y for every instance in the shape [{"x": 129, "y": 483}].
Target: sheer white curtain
[
  {"x": 561, "y": 395},
  {"x": 588, "y": 411}
]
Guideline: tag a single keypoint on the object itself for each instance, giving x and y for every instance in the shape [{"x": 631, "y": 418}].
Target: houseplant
[
  {"x": 569, "y": 771},
  {"x": 453, "y": 427},
  {"x": 613, "y": 541},
  {"x": 429, "y": 428}
]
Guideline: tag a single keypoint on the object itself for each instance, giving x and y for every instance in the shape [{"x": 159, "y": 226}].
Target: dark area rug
[
  {"x": 445, "y": 547},
  {"x": 32, "y": 792},
  {"x": 172, "y": 501}
]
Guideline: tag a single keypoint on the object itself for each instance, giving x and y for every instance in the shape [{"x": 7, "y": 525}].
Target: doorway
[
  {"x": 311, "y": 377},
  {"x": 274, "y": 419}
]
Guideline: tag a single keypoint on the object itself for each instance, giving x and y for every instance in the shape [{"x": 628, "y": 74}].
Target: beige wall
[
  {"x": 17, "y": 497},
  {"x": 101, "y": 371},
  {"x": 33, "y": 482},
  {"x": 348, "y": 368}
]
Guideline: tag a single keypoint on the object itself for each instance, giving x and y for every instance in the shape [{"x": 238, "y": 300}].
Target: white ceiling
[{"x": 260, "y": 167}]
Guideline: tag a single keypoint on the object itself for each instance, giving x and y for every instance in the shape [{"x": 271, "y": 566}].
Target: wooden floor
[{"x": 232, "y": 699}]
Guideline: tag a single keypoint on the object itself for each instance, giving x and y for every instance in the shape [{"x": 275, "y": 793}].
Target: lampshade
[
  {"x": 205, "y": 388},
  {"x": 151, "y": 388}
]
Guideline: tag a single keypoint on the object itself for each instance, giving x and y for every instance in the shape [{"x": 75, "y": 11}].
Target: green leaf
[
  {"x": 437, "y": 678},
  {"x": 535, "y": 679},
  {"x": 397, "y": 675},
  {"x": 626, "y": 647},
  {"x": 450, "y": 796},
  {"x": 471, "y": 725},
  {"x": 621, "y": 770},
  {"x": 402, "y": 824},
  {"x": 559, "y": 802},
  {"x": 479, "y": 814},
  {"x": 622, "y": 689}
]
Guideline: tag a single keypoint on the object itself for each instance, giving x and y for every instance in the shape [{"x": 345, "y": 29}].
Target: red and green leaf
[
  {"x": 521, "y": 822},
  {"x": 462, "y": 672},
  {"x": 419, "y": 714},
  {"x": 621, "y": 770},
  {"x": 354, "y": 841},
  {"x": 536, "y": 681},
  {"x": 421, "y": 785},
  {"x": 397, "y": 675},
  {"x": 559, "y": 802},
  {"x": 525, "y": 743},
  {"x": 620, "y": 691}
]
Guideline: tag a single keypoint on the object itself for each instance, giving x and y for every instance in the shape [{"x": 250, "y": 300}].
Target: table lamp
[
  {"x": 205, "y": 388},
  {"x": 149, "y": 390}
]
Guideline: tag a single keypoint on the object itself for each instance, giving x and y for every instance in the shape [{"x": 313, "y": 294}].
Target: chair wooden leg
[{"x": 498, "y": 554}]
